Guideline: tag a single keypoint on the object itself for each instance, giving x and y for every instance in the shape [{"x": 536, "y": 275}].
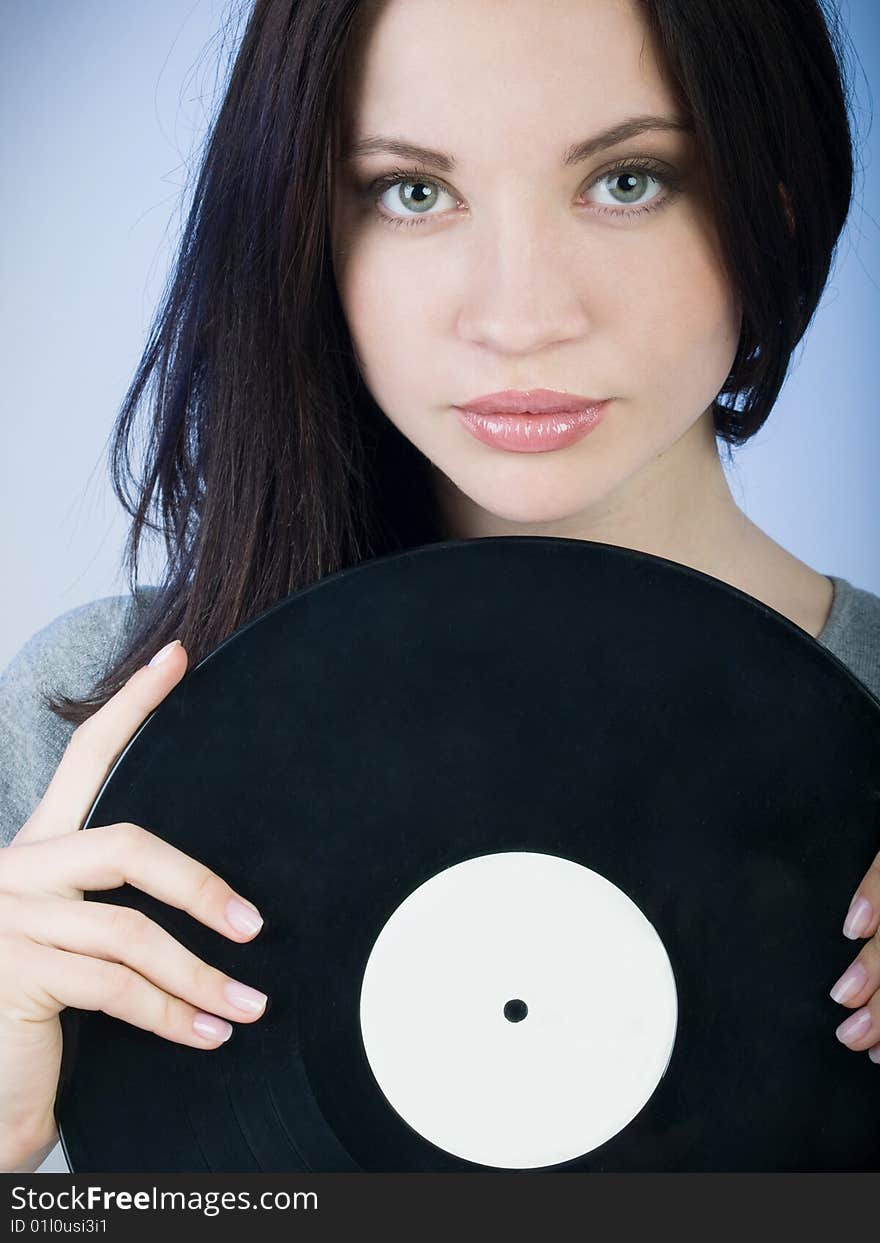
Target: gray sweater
[{"x": 73, "y": 650}]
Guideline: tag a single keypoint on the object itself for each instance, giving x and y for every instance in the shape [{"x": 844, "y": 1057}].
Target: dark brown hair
[{"x": 267, "y": 464}]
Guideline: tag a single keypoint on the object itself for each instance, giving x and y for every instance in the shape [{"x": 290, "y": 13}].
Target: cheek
[
  {"x": 386, "y": 309},
  {"x": 680, "y": 318},
  {"x": 390, "y": 329}
]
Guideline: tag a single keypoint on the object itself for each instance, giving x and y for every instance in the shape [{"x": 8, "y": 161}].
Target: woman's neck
[{"x": 679, "y": 507}]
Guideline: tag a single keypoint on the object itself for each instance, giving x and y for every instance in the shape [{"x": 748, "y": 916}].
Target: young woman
[{"x": 611, "y": 220}]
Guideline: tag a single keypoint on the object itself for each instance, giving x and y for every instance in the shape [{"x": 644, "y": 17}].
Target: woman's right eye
[{"x": 417, "y": 196}]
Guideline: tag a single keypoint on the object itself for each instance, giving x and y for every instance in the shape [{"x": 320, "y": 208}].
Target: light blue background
[{"x": 105, "y": 104}]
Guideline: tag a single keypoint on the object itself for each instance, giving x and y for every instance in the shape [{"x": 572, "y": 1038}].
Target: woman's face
[{"x": 515, "y": 269}]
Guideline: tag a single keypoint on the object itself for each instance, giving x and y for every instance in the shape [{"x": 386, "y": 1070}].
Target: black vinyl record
[{"x": 553, "y": 841}]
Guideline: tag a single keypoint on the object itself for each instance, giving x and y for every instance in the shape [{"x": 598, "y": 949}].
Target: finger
[
  {"x": 38, "y": 981},
  {"x": 94, "y": 747},
  {"x": 863, "y": 916},
  {"x": 112, "y": 855},
  {"x": 862, "y": 977},
  {"x": 120, "y": 934},
  {"x": 862, "y": 1029}
]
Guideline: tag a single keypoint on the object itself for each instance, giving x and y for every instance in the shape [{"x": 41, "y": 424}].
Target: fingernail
[
  {"x": 245, "y": 998},
  {"x": 853, "y": 979},
  {"x": 243, "y": 916},
  {"x": 211, "y": 1027},
  {"x": 874, "y": 1054},
  {"x": 855, "y": 1026},
  {"x": 164, "y": 652},
  {"x": 858, "y": 918}
]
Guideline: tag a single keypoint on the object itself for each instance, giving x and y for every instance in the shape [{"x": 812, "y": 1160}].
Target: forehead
[{"x": 468, "y": 74}]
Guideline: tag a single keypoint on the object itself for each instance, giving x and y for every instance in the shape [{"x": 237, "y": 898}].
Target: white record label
[{"x": 518, "y": 1010}]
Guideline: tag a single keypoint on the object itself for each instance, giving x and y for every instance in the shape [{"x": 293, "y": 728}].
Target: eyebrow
[{"x": 629, "y": 128}]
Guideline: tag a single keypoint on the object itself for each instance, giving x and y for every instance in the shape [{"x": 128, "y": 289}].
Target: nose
[{"x": 521, "y": 293}]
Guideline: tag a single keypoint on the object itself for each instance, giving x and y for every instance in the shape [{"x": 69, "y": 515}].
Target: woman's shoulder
[
  {"x": 852, "y": 631},
  {"x": 76, "y": 646},
  {"x": 67, "y": 656}
]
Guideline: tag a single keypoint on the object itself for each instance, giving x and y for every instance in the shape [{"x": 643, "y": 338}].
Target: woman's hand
[
  {"x": 859, "y": 986},
  {"x": 57, "y": 950}
]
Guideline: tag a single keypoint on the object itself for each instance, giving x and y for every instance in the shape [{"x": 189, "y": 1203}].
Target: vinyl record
[{"x": 553, "y": 841}]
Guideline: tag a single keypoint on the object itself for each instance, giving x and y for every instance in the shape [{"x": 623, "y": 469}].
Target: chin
[
  {"x": 529, "y": 511},
  {"x": 529, "y": 489}
]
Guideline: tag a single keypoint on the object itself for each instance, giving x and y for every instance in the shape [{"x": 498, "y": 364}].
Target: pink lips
[{"x": 531, "y": 422}]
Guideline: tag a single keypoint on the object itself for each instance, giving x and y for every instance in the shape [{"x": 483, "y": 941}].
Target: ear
[{"x": 789, "y": 213}]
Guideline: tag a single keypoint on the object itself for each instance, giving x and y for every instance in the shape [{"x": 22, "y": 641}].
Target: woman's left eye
[
  {"x": 625, "y": 187},
  {"x": 630, "y": 184}
]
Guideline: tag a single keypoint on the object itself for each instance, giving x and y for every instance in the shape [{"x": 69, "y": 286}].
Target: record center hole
[{"x": 515, "y": 1010}]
